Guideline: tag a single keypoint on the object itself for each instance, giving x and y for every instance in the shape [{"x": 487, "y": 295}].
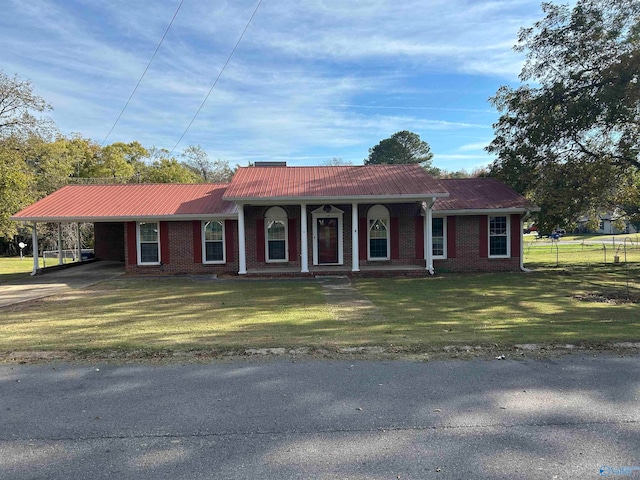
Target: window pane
[
  {"x": 148, "y": 232},
  {"x": 148, "y": 253},
  {"x": 378, "y": 248},
  {"x": 438, "y": 246},
  {"x": 377, "y": 229},
  {"x": 277, "y": 250},
  {"x": 437, "y": 227},
  {"x": 498, "y": 225},
  {"x": 214, "y": 252},
  {"x": 213, "y": 231},
  {"x": 498, "y": 245},
  {"x": 275, "y": 230}
]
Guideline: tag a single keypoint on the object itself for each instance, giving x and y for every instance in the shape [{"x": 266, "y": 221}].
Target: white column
[
  {"x": 428, "y": 236},
  {"x": 242, "y": 256},
  {"x": 304, "y": 247},
  {"x": 34, "y": 243},
  {"x": 79, "y": 243},
  {"x": 355, "y": 252},
  {"x": 60, "y": 255}
]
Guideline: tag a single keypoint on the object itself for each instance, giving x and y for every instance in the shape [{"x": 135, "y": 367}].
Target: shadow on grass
[{"x": 470, "y": 309}]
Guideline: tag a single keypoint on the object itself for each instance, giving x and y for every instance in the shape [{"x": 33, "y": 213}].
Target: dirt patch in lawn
[{"x": 366, "y": 353}]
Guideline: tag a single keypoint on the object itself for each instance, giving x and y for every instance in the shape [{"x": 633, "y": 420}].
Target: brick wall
[
  {"x": 182, "y": 256},
  {"x": 109, "y": 241},
  {"x": 468, "y": 257}
]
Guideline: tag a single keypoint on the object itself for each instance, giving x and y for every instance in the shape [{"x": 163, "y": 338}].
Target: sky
[{"x": 311, "y": 80}]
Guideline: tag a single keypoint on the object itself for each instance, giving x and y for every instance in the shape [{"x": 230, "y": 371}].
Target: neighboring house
[
  {"x": 300, "y": 220},
  {"x": 607, "y": 224}
]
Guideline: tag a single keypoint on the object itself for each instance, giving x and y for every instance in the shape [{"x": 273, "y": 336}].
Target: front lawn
[{"x": 581, "y": 306}]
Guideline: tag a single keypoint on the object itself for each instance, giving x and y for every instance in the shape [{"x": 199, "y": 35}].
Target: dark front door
[{"x": 327, "y": 240}]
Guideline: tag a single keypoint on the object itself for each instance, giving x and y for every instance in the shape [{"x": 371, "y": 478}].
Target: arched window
[
  {"x": 276, "y": 235},
  {"x": 378, "y": 233}
]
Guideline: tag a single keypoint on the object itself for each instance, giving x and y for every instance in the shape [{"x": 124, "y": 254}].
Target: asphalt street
[{"x": 567, "y": 417}]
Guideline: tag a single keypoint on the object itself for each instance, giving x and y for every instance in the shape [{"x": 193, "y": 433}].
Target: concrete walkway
[
  {"x": 53, "y": 283},
  {"x": 345, "y": 301}
]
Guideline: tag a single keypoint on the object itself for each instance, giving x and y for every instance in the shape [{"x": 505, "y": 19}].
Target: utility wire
[
  {"x": 218, "y": 77},
  {"x": 143, "y": 73}
]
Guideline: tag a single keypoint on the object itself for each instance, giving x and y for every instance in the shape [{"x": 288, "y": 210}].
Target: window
[
  {"x": 148, "y": 243},
  {"x": 213, "y": 237},
  {"x": 498, "y": 237},
  {"x": 378, "y": 233},
  {"x": 438, "y": 237},
  {"x": 276, "y": 235}
]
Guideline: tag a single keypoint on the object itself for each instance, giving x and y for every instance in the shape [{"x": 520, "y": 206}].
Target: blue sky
[{"x": 311, "y": 79}]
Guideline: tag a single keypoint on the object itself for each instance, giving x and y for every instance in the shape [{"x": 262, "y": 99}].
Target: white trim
[
  {"x": 444, "y": 237},
  {"x": 486, "y": 211},
  {"x": 334, "y": 200},
  {"x": 508, "y": 235},
  {"x": 276, "y": 214},
  {"x": 138, "y": 245},
  {"x": 204, "y": 243},
  {"x": 375, "y": 213},
  {"x": 332, "y": 213}
]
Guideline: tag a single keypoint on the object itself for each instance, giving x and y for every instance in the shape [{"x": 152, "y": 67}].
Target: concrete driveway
[{"x": 53, "y": 283}]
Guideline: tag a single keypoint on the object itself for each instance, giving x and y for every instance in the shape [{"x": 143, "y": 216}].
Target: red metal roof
[
  {"x": 130, "y": 201},
  {"x": 480, "y": 194},
  {"x": 253, "y": 183}
]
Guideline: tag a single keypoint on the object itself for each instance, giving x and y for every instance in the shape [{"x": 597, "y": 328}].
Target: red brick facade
[
  {"x": 181, "y": 244},
  {"x": 109, "y": 241},
  {"x": 183, "y": 250}
]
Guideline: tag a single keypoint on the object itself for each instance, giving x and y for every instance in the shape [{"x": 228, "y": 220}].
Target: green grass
[
  {"x": 548, "y": 254},
  {"x": 417, "y": 314},
  {"x": 506, "y": 309},
  {"x": 13, "y": 268}
]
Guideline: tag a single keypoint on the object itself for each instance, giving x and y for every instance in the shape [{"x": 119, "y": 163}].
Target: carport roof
[{"x": 94, "y": 203}]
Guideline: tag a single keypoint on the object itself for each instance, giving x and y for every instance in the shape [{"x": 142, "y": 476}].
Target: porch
[{"x": 319, "y": 270}]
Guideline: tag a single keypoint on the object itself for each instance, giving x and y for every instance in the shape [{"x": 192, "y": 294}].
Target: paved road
[
  {"x": 53, "y": 283},
  {"x": 514, "y": 419}
]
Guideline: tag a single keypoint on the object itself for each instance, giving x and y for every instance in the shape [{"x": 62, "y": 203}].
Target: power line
[
  {"x": 218, "y": 77},
  {"x": 143, "y": 73}
]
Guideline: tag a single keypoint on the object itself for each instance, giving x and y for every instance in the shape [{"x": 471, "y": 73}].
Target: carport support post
[
  {"x": 34, "y": 244},
  {"x": 79, "y": 243},
  {"x": 60, "y": 254}
]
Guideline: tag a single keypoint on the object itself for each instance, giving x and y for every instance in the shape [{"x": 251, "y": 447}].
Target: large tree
[
  {"x": 570, "y": 139},
  {"x": 401, "y": 148},
  {"x": 19, "y": 107}
]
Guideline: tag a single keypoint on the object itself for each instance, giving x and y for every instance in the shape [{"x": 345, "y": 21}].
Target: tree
[
  {"x": 197, "y": 159},
  {"x": 17, "y": 106},
  {"x": 16, "y": 179},
  {"x": 169, "y": 170},
  {"x": 337, "y": 162},
  {"x": 401, "y": 148},
  {"x": 572, "y": 138}
]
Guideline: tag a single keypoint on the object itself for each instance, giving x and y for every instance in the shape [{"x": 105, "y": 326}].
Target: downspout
[{"x": 522, "y": 267}]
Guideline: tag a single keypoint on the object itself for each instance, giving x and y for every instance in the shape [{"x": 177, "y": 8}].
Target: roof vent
[{"x": 270, "y": 164}]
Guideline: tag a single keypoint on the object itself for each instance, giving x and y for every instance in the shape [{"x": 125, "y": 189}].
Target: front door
[{"x": 327, "y": 240}]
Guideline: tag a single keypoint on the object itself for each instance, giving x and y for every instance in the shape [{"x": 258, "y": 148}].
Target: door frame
[{"x": 328, "y": 211}]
